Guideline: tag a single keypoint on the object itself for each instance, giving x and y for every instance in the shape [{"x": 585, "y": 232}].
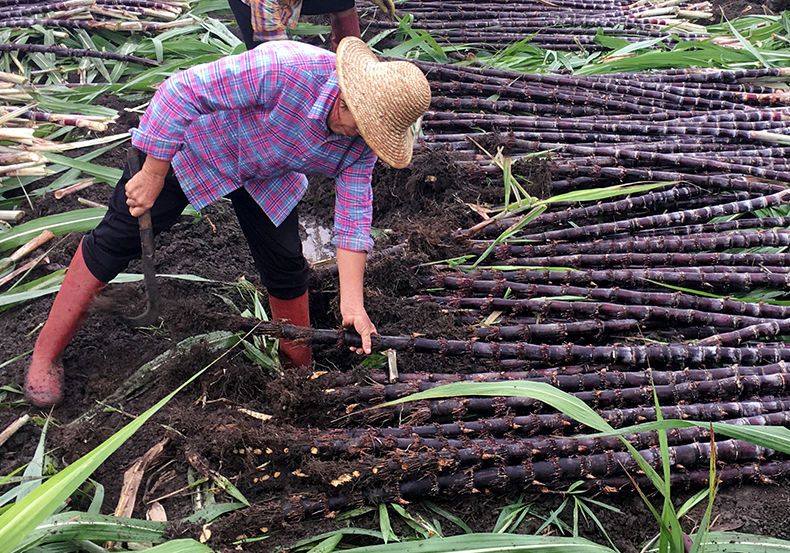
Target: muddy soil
[
  {"x": 419, "y": 208},
  {"x": 730, "y": 9}
]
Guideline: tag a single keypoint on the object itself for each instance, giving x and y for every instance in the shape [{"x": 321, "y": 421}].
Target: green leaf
[
  {"x": 328, "y": 545},
  {"x": 35, "y": 469},
  {"x": 211, "y": 512},
  {"x": 489, "y": 543},
  {"x": 384, "y": 524},
  {"x": 79, "y": 220},
  {"x": 546, "y": 393}
]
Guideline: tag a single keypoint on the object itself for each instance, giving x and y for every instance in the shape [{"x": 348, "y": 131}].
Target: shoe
[
  {"x": 44, "y": 377},
  {"x": 296, "y": 312}
]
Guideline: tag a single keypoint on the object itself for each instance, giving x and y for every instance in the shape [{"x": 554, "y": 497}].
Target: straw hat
[{"x": 385, "y": 97}]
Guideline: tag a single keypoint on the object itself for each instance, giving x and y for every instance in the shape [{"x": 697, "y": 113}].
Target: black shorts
[
  {"x": 276, "y": 250},
  {"x": 241, "y": 12}
]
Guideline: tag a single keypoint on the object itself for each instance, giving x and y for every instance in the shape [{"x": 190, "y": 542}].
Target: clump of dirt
[
  {"x": 731, "y": 9},
  {"x": 535, "y": 175}
]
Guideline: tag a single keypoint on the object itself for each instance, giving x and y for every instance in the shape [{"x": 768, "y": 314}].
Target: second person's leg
[{"x": 277, "y": 252}]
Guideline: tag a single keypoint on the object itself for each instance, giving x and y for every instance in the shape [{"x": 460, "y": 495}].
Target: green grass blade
[
  {"x": 34, "y": 471},
  {"x": 489, "y": 543},
  {"x": 180, "y": 546},
  {"x": 83, "y": 526}
]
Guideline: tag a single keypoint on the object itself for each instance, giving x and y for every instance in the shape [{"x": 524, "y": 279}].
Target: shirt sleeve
[
  {"x": 354, "y": 205},
  {"x": 230, "y": 83}
]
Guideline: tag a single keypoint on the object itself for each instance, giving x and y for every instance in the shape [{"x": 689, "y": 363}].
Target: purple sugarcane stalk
[
  {"x": 686, "y": 277},
  {"x": 344, "y": 444},
  {"x": 596, "y": 309},
  {"x": 75, "y": 53},
  {"x": 699, "y": 242},
  {"x": 703, "y": 214},
  {"x": 570, "y": 379},
  {"x": 651, "y": 260},
  {"x": 297, "y": 507},
  {"x": 614, "y": 295},
  {"x": 551, "y": 355},
  {"x": 727, "y": 389}
]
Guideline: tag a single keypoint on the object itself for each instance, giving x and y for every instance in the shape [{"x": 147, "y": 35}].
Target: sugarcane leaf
[
  {"x": 736, "y": 542},
  {"x": 384, "y": 524},
  {"x": 109, "y": 175},
  {"x": 180, "y": 546},
  {"x": 772, "y": 437},
  {"x": 748, "y": 45},
  {"x": 211, "y": 512},
  {"x": 74, "y": 525},
  {"x": 489, "y": 543},
  {"x": 449, "y": 516},
  {"x": 345, "y": 531},
  {"x": 79, "y": 220},
  {"x": 540, "y": 391},
  {"x": 327, "y": 545},
  {"x": 98, "y": 498},
  {"x": 34, "y": 472}
]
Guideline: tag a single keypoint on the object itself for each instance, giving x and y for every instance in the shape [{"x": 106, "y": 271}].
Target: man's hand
[
  {"x": 387, "y": 6},
  {"x": 144, "y": 188},
  {"x": 358, "y": 318}
]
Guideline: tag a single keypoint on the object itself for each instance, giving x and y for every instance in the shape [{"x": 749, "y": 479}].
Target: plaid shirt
[{"x": 258, "y": 120}]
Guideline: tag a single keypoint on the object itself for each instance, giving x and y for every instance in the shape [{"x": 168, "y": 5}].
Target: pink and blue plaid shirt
[{"x": 258, "y": 120}]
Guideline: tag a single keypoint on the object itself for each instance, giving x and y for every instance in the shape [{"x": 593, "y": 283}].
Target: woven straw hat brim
[{"x": 385, "y": 98}]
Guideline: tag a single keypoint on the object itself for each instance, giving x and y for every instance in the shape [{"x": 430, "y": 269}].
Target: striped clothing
[{"x": 258, "y": 120}]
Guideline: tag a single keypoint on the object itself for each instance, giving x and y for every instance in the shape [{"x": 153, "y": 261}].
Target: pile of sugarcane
[
  {"x": 653, "y": 294},
  {"x": 24, "y": 126},
  {"x": 558, "y": 25},
  {"x": 721, "y": 130},
  {"x": 451, "y": 446},
  {"x": 68, "y": 20}
]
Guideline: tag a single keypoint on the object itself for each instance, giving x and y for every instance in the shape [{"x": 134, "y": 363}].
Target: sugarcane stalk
[
  {"x": 662, "y": 220},
  {"x": 678, "y": 300},
  {"x": 651, "y": 260},
  {"x": 572, "y": 379},
  {"x": 11, "y": 215},
  {"x": 557, "y": 471},
  {"x": 596, "y": 309},
  {"x": 76, "y": 187},
  {"x": 699, "y": 242},
  {"x": 76, "y": 53}
]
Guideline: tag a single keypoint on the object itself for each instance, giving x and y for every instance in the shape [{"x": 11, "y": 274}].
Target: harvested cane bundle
[{"x": 562, "y": 25}]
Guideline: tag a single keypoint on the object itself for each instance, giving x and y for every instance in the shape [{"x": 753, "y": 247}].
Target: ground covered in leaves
[{"x": 415, "y": 210}]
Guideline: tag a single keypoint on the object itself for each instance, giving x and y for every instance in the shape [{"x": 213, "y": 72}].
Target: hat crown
[
  {"x": 403, "y": 94},
  {"x": 385, "y": 97}
]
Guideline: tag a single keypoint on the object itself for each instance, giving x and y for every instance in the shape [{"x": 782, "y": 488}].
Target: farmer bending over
[
  {"x": 248, "y": 128},
  {"x": 263, "y": 20}
]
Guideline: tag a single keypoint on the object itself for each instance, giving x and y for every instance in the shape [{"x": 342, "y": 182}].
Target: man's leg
[
  {"x": 277, "y": 252},
  {"x": 243, "y": 15},
  {"x": 101, "y": 255},
  {"x": 342, "y": 16}
]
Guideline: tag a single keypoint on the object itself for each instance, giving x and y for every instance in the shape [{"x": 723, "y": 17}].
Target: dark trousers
[
  {"x": 277, "y": 251},
  {"x": 241, "y": 12}
]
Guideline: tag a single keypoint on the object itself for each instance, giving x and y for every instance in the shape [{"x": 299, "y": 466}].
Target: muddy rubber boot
[
  {"x": 295, "y": 312},
  {"x": 44, "y": 378},
  {"x": 345, "y": 23}
]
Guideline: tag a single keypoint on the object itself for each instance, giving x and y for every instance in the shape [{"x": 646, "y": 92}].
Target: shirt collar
[{"x": 327, "y": 95}]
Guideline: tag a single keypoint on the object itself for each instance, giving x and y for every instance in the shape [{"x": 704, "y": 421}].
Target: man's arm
[
  {"x": 353, "y": 217},
  {"x": 351, "y": 269}
]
